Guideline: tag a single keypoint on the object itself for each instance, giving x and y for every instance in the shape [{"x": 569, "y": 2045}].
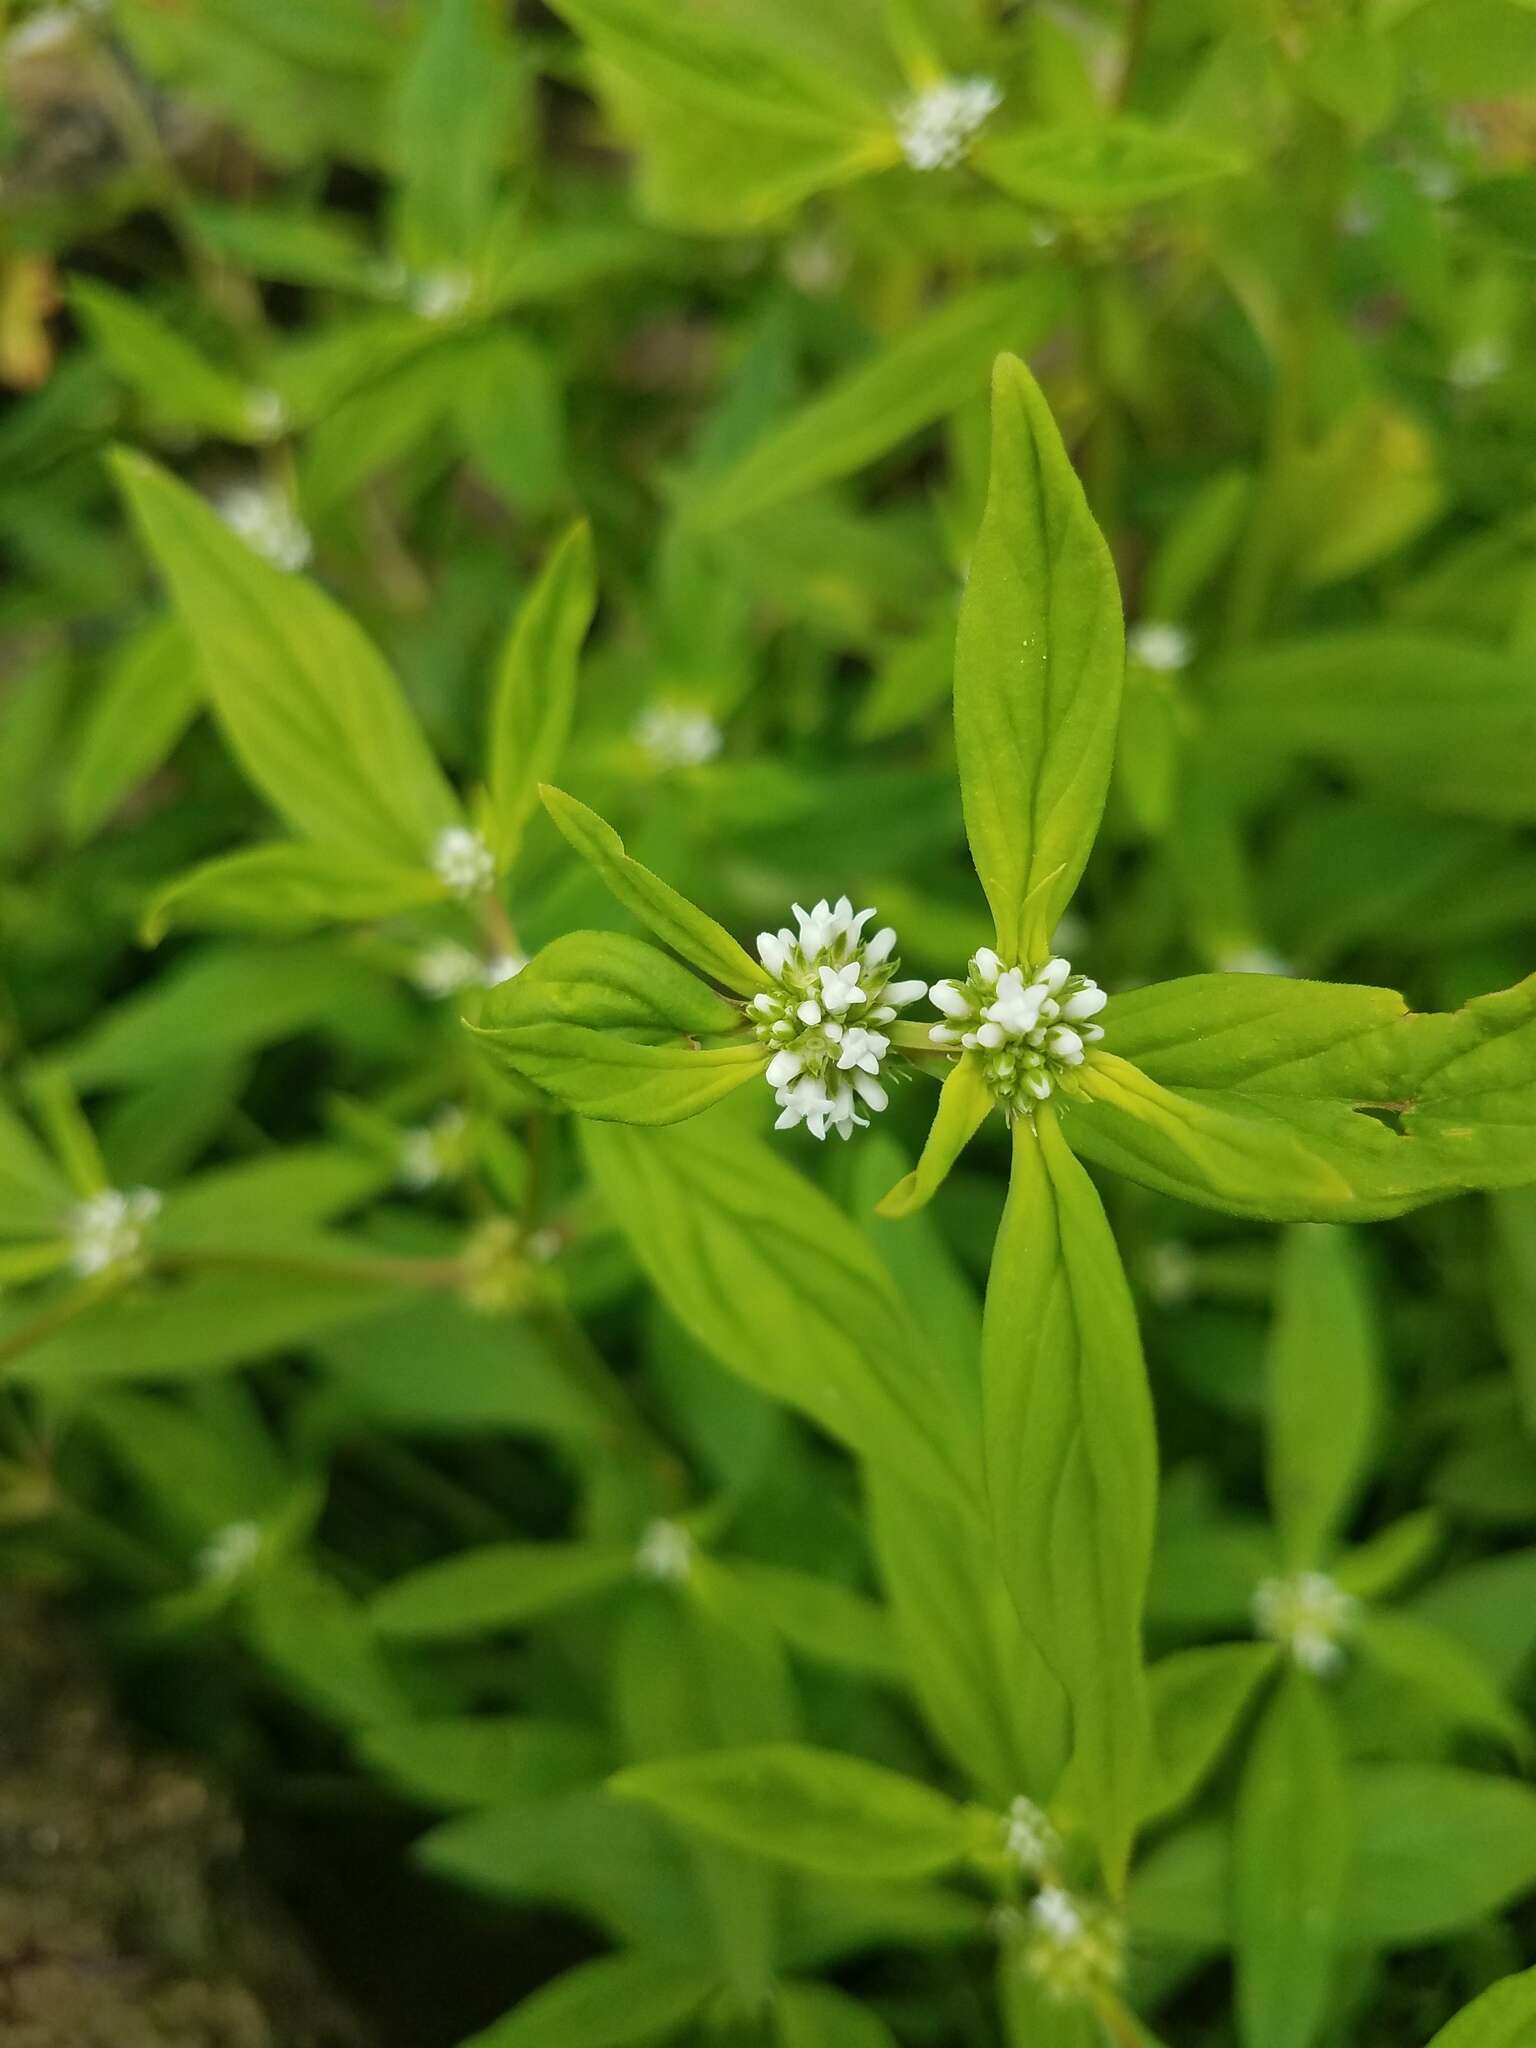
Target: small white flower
[
  {"x": 1074, "y": 1947},
  {"x": 108, "y": 1229},
  {"x": 1032, "y": 1025},
  {"x": 264, "y": 519},
  {"x": 664, "y": 1553},
  {"x": 1438, "y": 182},
  {"x": 543, "y": 1245},
  {"x": 462, "y": 860},
  {"x": 442, "y": 293},
  {"x": 1160, "y": 645},
  {"x": 445, "y": 969},
  {"x": 1253, "y": 960},
  {"x": 434, "y": 1151},
  {"x": 934, "y": 127},
  {"x": 1029, "y": 1838},
  {"x": 1309, "y": 1615},
  {"x": 832, "y": 987},
  {"x": 677, "y": 737},
  {"x": 1479, "y": 363},
  {"x": 230, "y": 1551}
]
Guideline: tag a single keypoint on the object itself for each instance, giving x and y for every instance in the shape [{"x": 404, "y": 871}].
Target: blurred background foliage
[{"x": 403, "y": 288}]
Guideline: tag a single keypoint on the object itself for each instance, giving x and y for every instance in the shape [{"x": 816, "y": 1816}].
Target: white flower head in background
[
  {"x": 935, "y": 126},
  {"x": 1032, "y": 1026},
  {"x": 447, "y": 969},
  {"x": 1477, "y": 364},
  {"x": 664, "y": 1553},
  {"x": 434, "y": 1151},
  {"x": 441, "y": 294},
  {"x": 1160, "y": 645},
  {"x": 230, "y": 1551},
  {"x": 834, "y": 990},
  {"x": 678, "y": 735},
  {"x": 1253, "y": 960},
  {"x": 462, "y": 860},
  {"x": 264, "y": 519},
  {"x": 1028, "y": 1837},
  {"x": 108, "y": 1229},
  {"x": 1308, "y": 1615},
  {"x": 1072, "y": 1946}
]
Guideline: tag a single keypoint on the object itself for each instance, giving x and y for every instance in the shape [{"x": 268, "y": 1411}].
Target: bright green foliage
[{"x": 984, "y": 1583}]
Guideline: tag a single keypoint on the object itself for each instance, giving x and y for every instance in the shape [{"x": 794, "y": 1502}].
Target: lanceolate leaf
[
  {"x": 774, "y": 1280},
  {"x": 614, "y": 2002},
  {"x": 614, "y": 1029},
  {"x": 1101, "y": 166},
  {"x": 1038, "y": 670},
  {"x": 817, "y": 1810},
  {"x": 1504, "y": 2017},
  {"x": 1350, "y": 1106},
  {"x": 312, "y": 713},
  {"x": 686, "y": 54},
  {"x": 1322, "y": 1392},
  {"x": 1291, "y": 1854},
  {"x": 536, "y": 687},
  {"x": 674, "y": 920},
  {"x": 965, "y": 1101},
  {"x": 1072, "y": 1465},
  {"x": 502, "y": 1586},
  {"x": 290, "y": 887},
  {"x": 924, "y": 374}
]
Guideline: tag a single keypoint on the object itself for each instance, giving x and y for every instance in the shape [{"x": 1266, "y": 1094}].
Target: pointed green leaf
[
  {"x": 176, "y": 380},
  {"x": 535, "y": 695},
  {"x": 313, "y": 715},
  {"x": 1503, "y": 2017},
  {"x": 142, "y": 705},
  {"x": 1444, "y": 1673},
  {"x": 619, "y": 2001},
  {"x": 502, "y": 1586},
  {"x": 614, "y": 1029},
  {"x": 34, "y": 1194},
  {"x": 677, "y": 922},
  {"x": 1322, "y": 1392},
  {"x": 814, "y": 1809},
  {"x": 1038, "y": 671},
  {"x": 821, "y": 2016},
  {"x": 1106, "y": 166},
  {"x": 773, "y": 1279},
  {"x": 965, "y": 1101},
  {"x": 290, "y": 887},
  {"x": 1198, "y": 1697},
  {"x": 1290, "y": 1862},
  {"x": 688, "y": 55},
  {"x": 1072, "y": 1465},
  {"x": 485, "y": 1760},
  {"x": 923, "y": 375}
]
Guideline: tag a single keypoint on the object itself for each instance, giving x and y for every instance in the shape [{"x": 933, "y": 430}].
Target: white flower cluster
[
  {"x": 935, "y": 126},
  {"x": 1033, "y": 1026},
  {"x": 108, "y": 1229},
  {"x": 1308, "y": 1614},
  {"x": 267, "y": 523},
  {"x": 461, "y": 859},
  {"x": 664, "y": 1553},
  {"x": 1028, "y": 1837},
  {"x": 441, "y": 294},
  {"x": 833, "y": 988},
  {"x": 678, "y": 736},
  {"x": 448, "y": 968},
  {"x": 1073, "y": 1946}
]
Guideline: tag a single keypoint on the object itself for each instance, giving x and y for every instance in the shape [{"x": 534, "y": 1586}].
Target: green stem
[{"x": 627, "y": 1432}]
